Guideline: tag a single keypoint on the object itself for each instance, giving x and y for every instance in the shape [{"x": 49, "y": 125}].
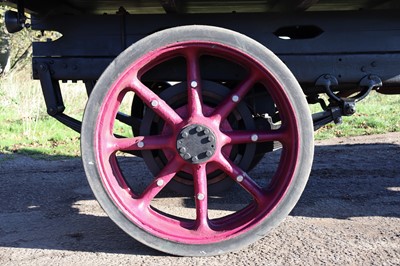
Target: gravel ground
[{"x": 349, "y": 214}]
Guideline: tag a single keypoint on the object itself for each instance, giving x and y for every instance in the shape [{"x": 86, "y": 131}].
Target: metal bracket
[
  {"x": 53, "y": 98},
  {"x": 21, "y": 13},
  {"x": 347, "y": 105},
  {"x": 327, "y": 81},
  {"x": 51, "y": 91},
  {"x": 369, "y": 83},
  {"x": 341, "y": 106}
]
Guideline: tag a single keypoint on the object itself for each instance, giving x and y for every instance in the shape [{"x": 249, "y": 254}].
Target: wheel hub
[
  {"x": 196, "y": 143},
  {"x": 213, "y": 93}
]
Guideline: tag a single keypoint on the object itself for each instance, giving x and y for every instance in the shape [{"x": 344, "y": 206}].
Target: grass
[
  {"x": 25, "y": 128},
  {"x": 43, "y": 136}
]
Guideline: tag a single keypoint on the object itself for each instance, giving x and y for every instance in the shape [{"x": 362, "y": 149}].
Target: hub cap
[{"x": 196, "y": 143}]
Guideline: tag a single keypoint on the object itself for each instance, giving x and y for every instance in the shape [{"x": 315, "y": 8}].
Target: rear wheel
[{"x": 225, "y": 101}]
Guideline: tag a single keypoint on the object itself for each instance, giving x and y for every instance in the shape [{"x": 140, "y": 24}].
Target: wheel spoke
[
  {"x": 244, "y": 136},
  {"x": 154, "y": 102},
  {"x": 140, "y": 143},
  {"x": 242, "y": 179},
  {"x": 227, "y": 106},
  {"x": 161, "y": 180},
  {"x": 201, "y": 197},
  {"x": 194, "y": 83}
]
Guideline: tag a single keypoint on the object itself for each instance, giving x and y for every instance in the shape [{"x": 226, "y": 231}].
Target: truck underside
[{"x": 194, "y": 6}]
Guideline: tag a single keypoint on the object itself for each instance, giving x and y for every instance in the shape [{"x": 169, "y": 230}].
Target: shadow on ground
[{"x": 47, "y": 204}]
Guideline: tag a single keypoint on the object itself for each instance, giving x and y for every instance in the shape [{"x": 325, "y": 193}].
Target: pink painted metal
[{"x": 201, "y": 230}]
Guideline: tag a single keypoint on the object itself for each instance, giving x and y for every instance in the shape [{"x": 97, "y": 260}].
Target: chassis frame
[{"x": 348, "y": 47}]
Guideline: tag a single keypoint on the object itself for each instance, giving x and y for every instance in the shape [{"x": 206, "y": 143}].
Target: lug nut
[
  {"x": 185, "y": 135},
  {"x": 206, "y": 131},
  {"x": 187, "y": 156},
  {"x": 211, "y": 138},
  {"x": 254, "y": 137},
  {"x": 140, "y": 144},
  {"x": 199, "y": 129},
  {"x": 235, "y": 98},
  {"x": 182, "y": 150},
  {"x": 239, "y": 178},
  {"x": 160, "y": 182},
  {"x": 154, "y": 103},
  {"x": 200, "y": 196},
  {"x": 193, "y": 84},
  {"x": 209, "y": 153},
  {"x": 195, "y": 159}
]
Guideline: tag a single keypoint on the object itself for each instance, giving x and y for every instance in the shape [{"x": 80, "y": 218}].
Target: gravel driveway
[{"x": 349, "y": 214}]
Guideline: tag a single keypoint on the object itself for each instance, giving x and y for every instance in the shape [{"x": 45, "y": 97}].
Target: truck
[{"x": 205, "y": 91}]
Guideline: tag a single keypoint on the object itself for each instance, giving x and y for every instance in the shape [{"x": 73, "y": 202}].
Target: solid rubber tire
[{"x": 264, "y": 57}]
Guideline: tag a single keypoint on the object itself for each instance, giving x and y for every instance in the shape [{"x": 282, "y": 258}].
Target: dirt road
[{"x": 349, "y": 214}]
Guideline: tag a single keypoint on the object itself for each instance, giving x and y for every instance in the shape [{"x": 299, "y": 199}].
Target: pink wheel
[{"x": 225, "y": 100}]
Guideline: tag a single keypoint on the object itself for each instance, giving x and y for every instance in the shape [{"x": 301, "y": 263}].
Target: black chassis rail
[{"x": 348, "y": 46}]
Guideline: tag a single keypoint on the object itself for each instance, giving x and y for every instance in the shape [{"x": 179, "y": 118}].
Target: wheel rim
[{"x": 201, "y": 230}]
